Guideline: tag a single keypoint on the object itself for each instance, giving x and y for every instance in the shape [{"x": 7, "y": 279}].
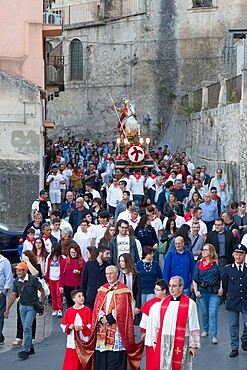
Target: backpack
[{"x": 43, "y": 209}]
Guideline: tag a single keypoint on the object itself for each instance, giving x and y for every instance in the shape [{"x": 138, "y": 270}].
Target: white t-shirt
[
  {"x": 123, "y": 244},
  {"x": 114, "y": 195},
  {"x": 149, "y": 182},
  {"x": 98, "y": 233},
  {"x": 137, "y": 185},
  {"x": 157, "y": 225},
  {"x": 124, "y": 215},
  {"x": 84, "y": 241},
  {"x": 27, "y": 246},
  {"x": 54, "y": 185}
]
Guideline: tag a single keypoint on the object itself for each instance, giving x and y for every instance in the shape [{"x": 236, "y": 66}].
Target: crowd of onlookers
[{"x": 152, "y": 224}]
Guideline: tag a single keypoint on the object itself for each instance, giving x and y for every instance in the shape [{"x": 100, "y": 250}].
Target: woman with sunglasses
[{"x": 207, "y": 284}]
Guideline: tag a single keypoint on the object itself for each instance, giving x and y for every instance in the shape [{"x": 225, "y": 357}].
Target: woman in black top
[{"x": 146, "y": 234}]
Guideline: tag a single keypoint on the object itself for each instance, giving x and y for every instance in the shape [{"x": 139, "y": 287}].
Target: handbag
[
  {"x": 38, "y": 306},
  {"x": 162, "y": 248}
]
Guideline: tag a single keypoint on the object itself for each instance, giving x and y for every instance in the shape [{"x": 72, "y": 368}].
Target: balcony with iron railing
[
  {"x": 66, "y": 13},
  {"x": 52, "y": 19}
]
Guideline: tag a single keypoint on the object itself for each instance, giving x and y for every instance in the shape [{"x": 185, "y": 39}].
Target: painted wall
[{"x": 21, "y": 50}]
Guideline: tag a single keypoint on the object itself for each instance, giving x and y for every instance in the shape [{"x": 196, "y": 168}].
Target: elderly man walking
[{"x": 113, "y": 337}]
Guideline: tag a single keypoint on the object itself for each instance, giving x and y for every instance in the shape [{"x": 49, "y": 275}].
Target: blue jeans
[
  {"x": 209, "y": 303},
  {"x": 233, "y": 317},
  {"x": 28, "y": 314},
  {"x": 137, "y": 199},
  {"x": 146, "y": 297}
]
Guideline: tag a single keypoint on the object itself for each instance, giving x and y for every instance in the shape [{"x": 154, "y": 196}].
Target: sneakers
[
  {"x": 204, "y": 334},
  {"x": 59, "y": 313},
  {"x": 23, "y": 355},
  {"x": 17, "y": 342},
  {"x": 54, "y": 313},
  {"x": 214, "y": 340}
]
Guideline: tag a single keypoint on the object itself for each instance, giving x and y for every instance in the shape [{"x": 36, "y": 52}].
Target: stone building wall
[
  {"x": 21, "y": 149},
  {"x": 168, "y": 49},
  {"x": 131, "y": 56}
]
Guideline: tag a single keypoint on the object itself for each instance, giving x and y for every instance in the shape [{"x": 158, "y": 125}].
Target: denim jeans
[
  {"x": 210, "y": 303},
  {"x": 137, "y": 198},
  {"x": 146, "y": 297},
  {"x": 233, "y": 317},
  {"x": 28, "y": 314}
]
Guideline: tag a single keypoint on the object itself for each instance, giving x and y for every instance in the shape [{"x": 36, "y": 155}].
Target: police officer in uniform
[{"x": 234, "y": 282}]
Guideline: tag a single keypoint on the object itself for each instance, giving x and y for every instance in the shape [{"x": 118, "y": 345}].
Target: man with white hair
[{"x": 113, "y": 327}]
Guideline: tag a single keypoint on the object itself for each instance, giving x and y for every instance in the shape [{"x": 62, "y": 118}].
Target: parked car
[{"x": 10, "y": 239}]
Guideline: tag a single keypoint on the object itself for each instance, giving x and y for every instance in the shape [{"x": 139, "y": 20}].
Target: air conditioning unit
[{"x": 52, "y": 18}]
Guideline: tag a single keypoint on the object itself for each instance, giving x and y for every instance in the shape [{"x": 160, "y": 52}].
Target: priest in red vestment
[
  {"x": 178, "y": 331},
  {"x": 112, "y": 344}
]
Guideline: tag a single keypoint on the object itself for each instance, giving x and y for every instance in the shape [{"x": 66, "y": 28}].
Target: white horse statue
[{"x": 129, "y": 123}]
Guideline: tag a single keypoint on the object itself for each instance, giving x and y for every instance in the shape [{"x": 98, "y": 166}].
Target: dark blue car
[{"x": 10, "y": 239}]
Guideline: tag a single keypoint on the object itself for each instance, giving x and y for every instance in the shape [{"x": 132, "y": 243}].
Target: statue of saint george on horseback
[{"x": 127, "y": 124}]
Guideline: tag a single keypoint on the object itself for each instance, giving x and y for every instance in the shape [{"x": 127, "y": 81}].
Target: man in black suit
[
  {"x": 222, "y": 240},
  {"x": 234, "y": 283}
]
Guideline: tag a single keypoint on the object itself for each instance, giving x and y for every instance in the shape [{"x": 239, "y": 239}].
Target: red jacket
[{"x": 67, "y": 276}]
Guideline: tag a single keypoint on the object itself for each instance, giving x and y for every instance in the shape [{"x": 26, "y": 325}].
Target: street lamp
[
  {"x": 141, "y": 140},
  {"x": 148, "y": 140},
  {"x": 126, "y": 142}
]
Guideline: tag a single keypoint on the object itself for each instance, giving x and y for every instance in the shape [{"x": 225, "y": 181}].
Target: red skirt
[{"x": 71, "y": 360}]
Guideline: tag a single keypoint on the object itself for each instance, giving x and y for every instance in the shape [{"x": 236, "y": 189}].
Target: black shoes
[
  {"x": 31, "y": 352},
  {"x": 2, "y": 339},
  {"x": 234, "y": 353},
  {"x": 244, "y": 346},
  {"x": 23, "y": 355}
]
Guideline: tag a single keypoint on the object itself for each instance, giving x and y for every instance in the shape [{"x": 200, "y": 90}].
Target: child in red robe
[{"x": 77, "y": 318}]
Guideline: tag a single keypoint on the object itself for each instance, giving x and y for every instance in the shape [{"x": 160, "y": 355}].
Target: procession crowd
[{"x": 129, "y": 247}]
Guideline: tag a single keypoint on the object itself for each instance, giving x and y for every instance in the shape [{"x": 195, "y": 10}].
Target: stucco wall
[
  {"x": 21, "y": 150},
  {"x": 21, "y": 48}
]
